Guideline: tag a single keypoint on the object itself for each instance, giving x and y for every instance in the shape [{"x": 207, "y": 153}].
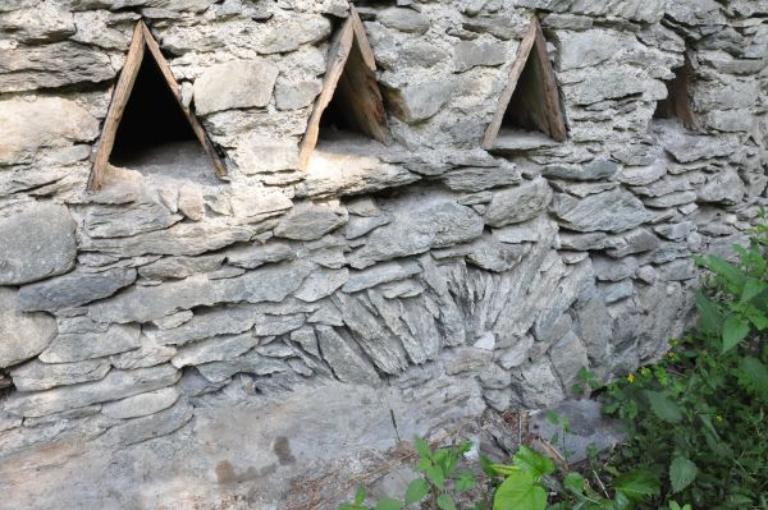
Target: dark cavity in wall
[
  {"x": 526, "y": 109},
  {"x": 153, "y": 122},
  {"x": 677, "y": 104}
]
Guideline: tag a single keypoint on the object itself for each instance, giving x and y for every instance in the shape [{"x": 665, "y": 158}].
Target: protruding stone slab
[
  {"x": 22, "y": 335},
  {"x": 37, "y": 376},
  {"x": 518, "y": 204},
  {"x": 74, "y": 289},
  {"x": 613, "y": 211},
  {"x": 235, "y": 84}
]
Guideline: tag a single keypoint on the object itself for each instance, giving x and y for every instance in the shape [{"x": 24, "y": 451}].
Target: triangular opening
[
  {"x": 677, "y": 104},
  {"x": 530, "y": 102},
  {"x": 147, "y": 126},
  {"x": 350, "y": 104}
]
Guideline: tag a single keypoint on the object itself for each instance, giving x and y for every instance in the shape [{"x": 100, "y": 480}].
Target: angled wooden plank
[
  {"x": 555, "y": 118},
  {"x": 197, "y": 128},
  {"x": 120, "y": 97},
  {"x": 523, "y": 51},
  {"x": 339, "y": 52},
  {"x": 362, "y": 38}
]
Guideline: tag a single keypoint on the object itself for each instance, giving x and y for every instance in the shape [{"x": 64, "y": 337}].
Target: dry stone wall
[{"x": 429, "y": 267}]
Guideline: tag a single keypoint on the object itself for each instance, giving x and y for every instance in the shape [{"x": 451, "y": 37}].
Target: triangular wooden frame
[
  {"x": 141, "y": 41},
  {"x": 533, "y": 46},
  {"x": 678, "y": 102},
  {"x": 368, "y": 104}
]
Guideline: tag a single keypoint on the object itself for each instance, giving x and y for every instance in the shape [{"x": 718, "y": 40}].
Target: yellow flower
[{"x": 631, "y": 378}]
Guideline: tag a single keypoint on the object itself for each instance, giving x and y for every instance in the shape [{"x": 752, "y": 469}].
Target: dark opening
[
  {"x": 152, "y": 117},
  {"x": 527, "y": 108},
  {"x": 677, "y": 104},
  {"x": 343, "y": 114}
]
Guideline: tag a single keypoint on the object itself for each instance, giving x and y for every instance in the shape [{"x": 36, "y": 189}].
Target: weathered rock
[
  {"x": 93, "y": 341},
  {"x": 491, "y": 255},
  {"x": 404, "y": 20},
  {"x": 22, "y": 335},
  {"x": 536, "y": 385},
  {"x": 347, "y": 365},
  {"x": 358, "y": 226},
  {"x": 249, "y": 363},
  {"x": 142, "y": 304},
  {"x": 37, "y": 243},
  {"x": 191, "y": 202},
  {"x": 255, "y": 255},
  {"x": 235, "y": 84},
  {"x": 613, "y": 211},
  {"x": 607, "y": 269},
  {"x": 47, "y": 22},
  {"x": 292, "y": 95},
  {"x": 309, "y": 221},
  {"x": 469, "y": 54},
  {"x": 214, "y": 349},
  {"x": 726, "y": 187},
  {"x": 73, "y": 289},
  {"x": 480, "y": 178},
  {"x": 517, "y": 354},
  {"x": 418, "y": 102},
  {"x": 208, "y": 323},
  {"x": 381, "y": 273},
  {"x": 635, "y": 241},
  {"x": 594, "y": 170},
  {"x": 142, "y": 404},
  {"x": 322, "y": 283},
  {"x": 37, "y": 376},
  {"x": 52, "y": 65},
  {"x": 518, "y": 204},
  {"x": 103, "y": 221},
  {"x": 147, "y": 427},
  {"x": 616, "y": 291},
  {"x": 116, "y": 385},
  {"x": 181, "y": 267}
]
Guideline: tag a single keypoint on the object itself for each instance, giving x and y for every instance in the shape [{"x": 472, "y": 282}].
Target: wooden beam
[
  {"x": 143, "y": 40},
  {"x": 350, "y": 72},
  {"x": 533, "y": 45}
]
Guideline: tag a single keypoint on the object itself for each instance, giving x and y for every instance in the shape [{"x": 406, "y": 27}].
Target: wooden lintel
[{"x": 141, "y": 41}]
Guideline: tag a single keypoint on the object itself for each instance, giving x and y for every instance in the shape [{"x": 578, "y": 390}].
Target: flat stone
[
  {"x": 52, "y": 65},
  {"x": 469, "y": 54},
  {"x": 255, "y": 255},
  {"x": 686, "y": 147},
  {"x": 608, "y": 269},
  {"x": 308, "y": 221},
  {"x": 536, "y": 385},
  {"x": 141, "y": 405},
  {"x": 613, "y": 211},
  {"x": 276, "y": 325},
  {"x": 635, "y": 241},
  {"x": 295, "y": 94},
  {"x": 725, "y": 187},
  {"x": 517, "y": 354},
  {"x": 249, "y": 363},
  {"x": 180, "y": 267},
  {"x": 142, "y": 304},
  {"x": 73, "y": 289},
  {"x": 474, "y": 179},
  {"x": 38, "y": 242},
  {"x": 489, "y": 254},
  {"x": 322, "y": 283},
  {"x": 144, "y": 428},
  {"x": 518, "y": 140},
  {"x": 381, "y": 273},
  {"x": 615, "y": 291},
  {"x": 103, "y": 221},
  {"x": 358, "y": 226},
  {"x": 404, "y": 20},
  {"x": 346, "y": 364},
  {"x": 595, "y": 170},
  {"x": 214, "y": 349},
  {"x": 420, "y": 101},
  {"x": 38, "y": 376},
  {"x": 235, "y": 84},
  {"x": 191, "y": 202},
  {"x": 22, "y": 335},
  {"x": 538, "y": 229},
  {"x": 209, "y": 323},
  {"x": 675, "y": 199},
  {"x": 88, "y": 344},
  {"x": 518, "y": 204},
  {"x": 46, "y": 22},
  {"x": 116, "y": 385}
]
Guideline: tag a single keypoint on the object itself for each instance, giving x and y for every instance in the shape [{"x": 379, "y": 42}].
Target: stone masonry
[{"x": 177, "y": 341}]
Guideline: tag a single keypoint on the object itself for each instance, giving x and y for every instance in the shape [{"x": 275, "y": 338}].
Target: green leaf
[
  {"x": 682, "y": 473},
  {"x": 725, "y": 270},
  {"x": 422, "y": 448},
  {"x": 710, "y": 318},
  {"x": 504, "y": 469},
  {"x": 520, "y": 491},
  {"x": 752, "y": 375},
  {"x": 389, "y": 504},
  {"x": 752, "y": 288},
  {"x": 574, "y": 482},
  {"x": 416, "y": 491},
  {"x": 734, "y": 331},
  {"x": 663, "y": 407},
  {"x": 533, "y": 462},
  {"x": 436, "y": 476},
  {"x": 465, "y": 481},
  {"x": 487, "y": 465},
  {"x": 360, "y": 495},
  {"x": 637, "y": 485},
  {"x": 445, "y": 502}
]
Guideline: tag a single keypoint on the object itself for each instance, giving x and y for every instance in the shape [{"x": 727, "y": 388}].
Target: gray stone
[
  {"x": 420, "y": 101},
  {"x": 421, "y": 226},
  {"x": 616, "y": 291},
  {"x": 52, "y": 65},
  {"x": 610, "y": 83},
  {"x": 404, "y": 20},
  {"x": 481, "y": 178},
  {"x": 322, "y": 283},
  {"x": 276, "y": 325},
  {"x": 642, "y": 175},
  {"x": 38, "y": 242},
  {"x": 255, "y": 255},
  {"x": 613, "y": 211},
  {"x": 593, "y": 171},
  {"x": 214, "y": 349},
  {"x": 142, "y": 304},
  {"x": 209, "y": 323},
  {"x": 116, "y": 385},
  {"x": 536, "y": 385},
  {"x": 37, "y": 376},
  {"x": 144, "y": 428},
  {"x": 142, "y": 404},
  {"x": 671, "y": 199},
  {"x": 469, "y": 54},
  {"x": 675, "y": 231},
  {"x": 46, "y": 22},
  {"x": 568, "y": 357},
  {"x": 540, "y": 228},
  {"x": 22, "y": 335},
  {"x": 235, "y": 84},
  {"x": 180, "y": 267},
  {"x": 148, "y": 355},
  {"x": 307, "y": 339},
  {"x": 295, "y": 94},
  {"x": 381, "y": 273},
  {"x": 309, "y": 221},
  {"x": 725, "y": 187},
  {"x": 608, "y": 269},
  {"x": 73, "y": 289},
  {"x": 249, "y": 363},
  {"x": 635, "y": 241},
  {"x": 30, "y": 124},
  {"x": 102, "y": 340},
  {"x": 347, "y": 365},
  {"x": 103, "y": 221},
  {"x": 681, "y": 269},
  {"x": 489, "y": 254},
  {"x": 191, "y": 202},
  {"x": 591, "y": 47},
  {"x": 686, "y": 148},
  {"x": 517, "y": 354},
  {"x": 358, "y": 226},
  {"x": 518, "y": 204},
  {"x": 511, "y": 141}
]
